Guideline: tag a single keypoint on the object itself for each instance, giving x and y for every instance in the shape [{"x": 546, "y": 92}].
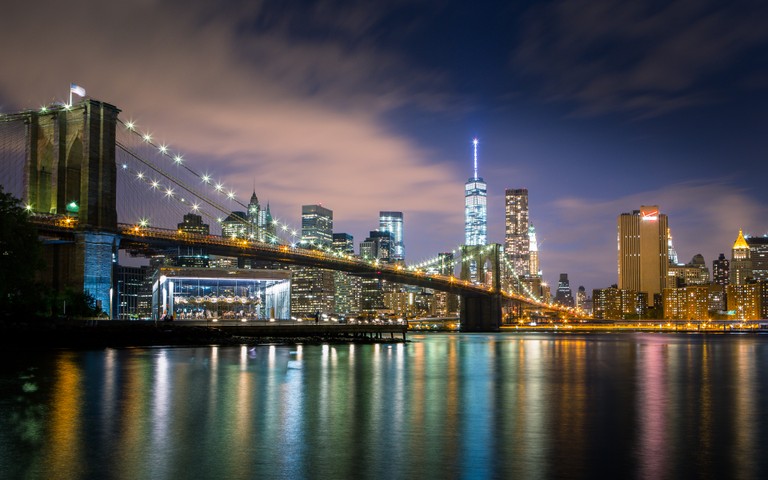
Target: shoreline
[
  {"x": 88, "y": 334},
  {"x": 98, "y": 334}
]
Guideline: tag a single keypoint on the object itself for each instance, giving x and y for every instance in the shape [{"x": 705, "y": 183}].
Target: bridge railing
[
  {"x": 399, "y": 270},
  {"x": 405, "y": 273},
  {"x": 171, "y": 234}
]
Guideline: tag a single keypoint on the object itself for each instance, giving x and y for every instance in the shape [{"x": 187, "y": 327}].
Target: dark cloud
[
  {"x": 645, "y": 58},
  {"x": 368, "y": 107},
  {"x": 244, "y": 97}
]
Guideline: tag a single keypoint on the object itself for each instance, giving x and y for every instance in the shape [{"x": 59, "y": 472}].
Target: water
[{"x": 443, "y": 406}]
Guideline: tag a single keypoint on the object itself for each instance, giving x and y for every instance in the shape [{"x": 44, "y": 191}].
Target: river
[{"x": 629, "y": 405}]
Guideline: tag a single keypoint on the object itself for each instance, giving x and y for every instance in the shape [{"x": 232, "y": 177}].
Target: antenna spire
[{"x": 474, "y": 142}]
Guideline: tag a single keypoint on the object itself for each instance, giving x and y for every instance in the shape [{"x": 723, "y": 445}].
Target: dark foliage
[{"x": 20, "y": 260}]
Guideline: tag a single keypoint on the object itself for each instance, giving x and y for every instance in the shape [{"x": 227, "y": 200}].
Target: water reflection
[
  {"x": 453, "y": 406},
  {"x": 64, "y": 451}
]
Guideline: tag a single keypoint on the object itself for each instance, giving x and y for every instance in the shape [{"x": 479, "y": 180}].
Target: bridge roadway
[
  {"x": 150, "y": 239},
  {"x": 142, "y": 238}
]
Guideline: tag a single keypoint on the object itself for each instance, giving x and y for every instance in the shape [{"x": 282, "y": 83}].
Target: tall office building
[
  {"x": 721, "y": 270},
  {"x": 643, "y": 249},
  {"x": 344, "y": 243},
  {"x": 253, "y": 214},
  {"x": 517, "y": 239},
  {"x": 260, "y": 224},
  {"x": 312, "y": 290},
  {"x": 581, "y": 297},
  {"x": 316, "y": 225},
  {"x": 392, "y": 222},
  {"x": 475, "y": 209},
  {"x": 348, "y": 287},
  {"x": 758, "y": 253},
  {"x": 378, "y": 246},
  {"x": 533, "y": 252},
  {"x": 671, "y": 252},
  {"x": 254, "y": 224},
  {"x": 348, "y": 293},
  {"x": 564, "y": 295},
  {"x": 741, "y": 261}
]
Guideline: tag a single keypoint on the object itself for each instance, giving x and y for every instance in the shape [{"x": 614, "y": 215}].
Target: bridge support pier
[
  {"x": 96, "y": 254},
  {"x": 83, "y": 265},
  {"x": 480, "y": 313}
]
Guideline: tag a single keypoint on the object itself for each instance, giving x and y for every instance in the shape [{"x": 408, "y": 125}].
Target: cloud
[
  {"x": 293, "y": 100},
  {"x": 704, "y": 217},
  {"x": 644, "y": 58}
]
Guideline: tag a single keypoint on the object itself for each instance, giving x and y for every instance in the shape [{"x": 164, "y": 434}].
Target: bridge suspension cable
[
  {"x": 217, "y": 211},
  {"x": 13, "y": 152}
]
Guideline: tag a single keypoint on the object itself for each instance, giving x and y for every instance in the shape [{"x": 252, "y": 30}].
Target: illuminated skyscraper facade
[
  {"x": 758, "y": 253},
  {"x": 721, "y": 270},
  {"x": 312, "y": 290},
  {"x": 475, "y": 208},
  {"x": 744, "y": 301},
  {"x": 344, "y": 243},
  {"x": 316, "y": 225},
  {"x": 378, "y": 246},
  {"x": 261, "y": 226},
  {"x": 686, "y": 303},
  {"x": 671, "y": 252},
  {"x": 392, "y": 222},
  {"x": 533, "y": 252},
  {"x": 564, "y": 295},
  {"x": 741, "y": 261},
  {"x": 517, "y": 236},
  {"x": 643, "y": 249}
]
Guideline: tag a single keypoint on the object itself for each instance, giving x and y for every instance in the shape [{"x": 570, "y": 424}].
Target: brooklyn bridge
[{"x": 94, "y": 185}]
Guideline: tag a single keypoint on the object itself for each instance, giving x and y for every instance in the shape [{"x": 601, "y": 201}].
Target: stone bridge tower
[
  {"x": 481, "y": 313},
  {"x": 70, "y": 170}
]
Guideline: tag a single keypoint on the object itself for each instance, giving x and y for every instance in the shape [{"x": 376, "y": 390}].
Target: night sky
[{"x": 595, "y": 106}]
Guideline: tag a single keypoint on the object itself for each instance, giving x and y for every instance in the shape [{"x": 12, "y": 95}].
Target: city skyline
[{"x": 375, "y": 104}]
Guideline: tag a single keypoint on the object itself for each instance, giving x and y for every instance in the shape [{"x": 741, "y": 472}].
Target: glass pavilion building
[{"x": 215, "y": 294}]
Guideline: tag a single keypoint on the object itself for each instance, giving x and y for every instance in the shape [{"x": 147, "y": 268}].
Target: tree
[
  {"x": 78, "y": 304},
  {"x": 20, "y": 259}
]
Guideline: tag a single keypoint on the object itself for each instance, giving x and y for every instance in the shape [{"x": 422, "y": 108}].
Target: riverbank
[{"x": 61, "y": 333}]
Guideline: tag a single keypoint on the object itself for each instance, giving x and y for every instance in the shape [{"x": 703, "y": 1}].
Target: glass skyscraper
[
  {"x": 517, "y": 239},
  {"x": 475, "y": 210},
  {"x": 316, "y": 225},
  {"x": 392, "y": 222}
]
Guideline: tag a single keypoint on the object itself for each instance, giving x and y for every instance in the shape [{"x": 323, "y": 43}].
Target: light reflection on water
[{"x": 441, "y": 406}]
